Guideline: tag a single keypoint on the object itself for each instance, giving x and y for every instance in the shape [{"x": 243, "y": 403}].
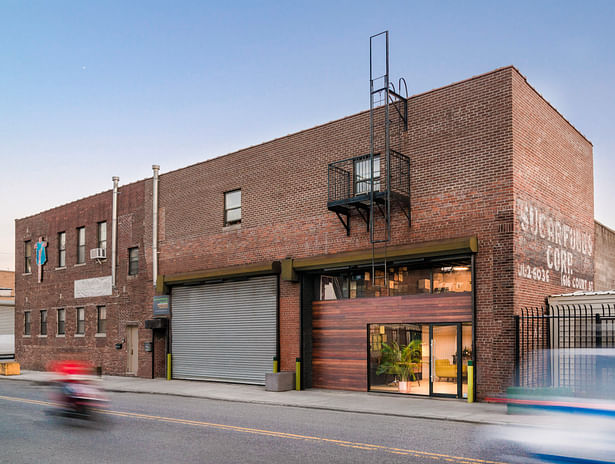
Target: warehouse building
[{"x": 334, "y": 245}]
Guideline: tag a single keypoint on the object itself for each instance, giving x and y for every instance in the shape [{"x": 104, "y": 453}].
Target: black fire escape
[{"x": 372, "y": 184}]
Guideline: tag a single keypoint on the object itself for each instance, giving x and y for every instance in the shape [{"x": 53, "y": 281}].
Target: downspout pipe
[
  {"x": 115, "y": 179},
  {"x": 156, "y": 170}
]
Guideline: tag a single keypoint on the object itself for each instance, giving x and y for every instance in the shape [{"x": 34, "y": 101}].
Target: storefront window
[
  {"x": 399, "y": 358},
  {"x": 452, "y": 278},
  {"x": 333, "y": 287},
  {"x": 397, "y": 280}
]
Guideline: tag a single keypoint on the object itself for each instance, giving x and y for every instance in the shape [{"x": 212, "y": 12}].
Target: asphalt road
[{"x": 141, "y": 428}]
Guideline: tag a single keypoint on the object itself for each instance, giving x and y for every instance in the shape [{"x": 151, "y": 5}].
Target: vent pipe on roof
[
  {"x": 156, "y": 169},
  {"x": 114, "y": 232}
]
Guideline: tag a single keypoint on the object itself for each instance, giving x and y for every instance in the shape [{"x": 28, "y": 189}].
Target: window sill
[
  {"x": 100, "y": 335},
  {"x": 26, "y": 274},
  {"x": 79, "y": 335},
  {"x": 61, "y": 336},
  {"x": 231, "y": 227},
  {"x": 41, "y": 336},
  {"x": 26, "y": 336},
  {"x": 60, "y": 268},
  {"x": 79, "y": 264}
]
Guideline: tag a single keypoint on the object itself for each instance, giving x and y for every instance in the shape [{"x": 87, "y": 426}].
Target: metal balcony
[{"x": 350, "y": 183}]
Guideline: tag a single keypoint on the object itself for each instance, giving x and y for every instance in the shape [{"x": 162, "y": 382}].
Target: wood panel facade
[{"x": 339, "y": 331}]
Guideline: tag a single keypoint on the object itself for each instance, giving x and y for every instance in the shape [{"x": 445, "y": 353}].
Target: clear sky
[{"x": 93, "y": 89}]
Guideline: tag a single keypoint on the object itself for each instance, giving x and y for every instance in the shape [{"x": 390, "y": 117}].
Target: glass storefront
[
  {"x": 420, "y": 359},
  {"x": 453, "y": 276}
]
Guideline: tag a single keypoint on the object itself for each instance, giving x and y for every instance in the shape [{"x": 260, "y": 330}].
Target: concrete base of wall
[{"x": 279, "y": 381}]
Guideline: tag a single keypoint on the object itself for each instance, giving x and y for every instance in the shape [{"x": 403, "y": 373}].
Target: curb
[{"x": 286, "y": 404}]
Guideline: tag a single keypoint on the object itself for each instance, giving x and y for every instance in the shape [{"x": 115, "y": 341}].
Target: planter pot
[{"x": 404, "y": 387}]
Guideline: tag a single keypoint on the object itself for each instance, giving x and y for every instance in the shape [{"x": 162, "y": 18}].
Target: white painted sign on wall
[
  {"x": 98, "y": 286},
  {"x": 552, "y": 248}
]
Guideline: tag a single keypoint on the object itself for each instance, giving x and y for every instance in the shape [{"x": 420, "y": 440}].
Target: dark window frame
[
  {"x": 133, "y": 261},
  {"x": 62, "y": 249},
  {"x": 27, "y": 257},
  {"x": 43, "y": 326},
  {"x": 363, "y": 176},
  {"x": 228, "y": 210},
  {"x": 101, "y": 322},
  {"x": 80, "y": 245},
  {"x": 61, "y": 321},
  {"x": 27, "y": 322},
  {"x": 100, "y": 241},
  {"x": 80, "y": 329}
]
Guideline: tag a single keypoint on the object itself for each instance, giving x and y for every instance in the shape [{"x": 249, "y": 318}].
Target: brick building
[
  {"x": 605, "y": 258},
  {"x": 265, "y": 252}
]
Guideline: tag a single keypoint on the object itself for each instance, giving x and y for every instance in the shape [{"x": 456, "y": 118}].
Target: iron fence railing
[{"x": 564, "y": 347}]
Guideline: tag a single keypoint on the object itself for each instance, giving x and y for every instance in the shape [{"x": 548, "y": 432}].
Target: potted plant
[{"x": 400, "y": 361}]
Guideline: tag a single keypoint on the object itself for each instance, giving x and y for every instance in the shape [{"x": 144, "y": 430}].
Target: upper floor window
[
  {"x": 452, "y": 276},
  {"x": 101, "y": 318},
  {"x": 62, "y": 249},
  {"x": 43, "y": 322},
  {"x": 27, "y": 253},
  {"x": 363, "y": 177},
  {"x": 61, "y": 322},
  {"x": 27, "y": 322},
  {"x": 80, "y": 320},
  {"x": 80, "y": 245},
  {"x": 232, "y": 207},
  {"x": 102, "y": 235},
  {"x": 133, "y": 261}
]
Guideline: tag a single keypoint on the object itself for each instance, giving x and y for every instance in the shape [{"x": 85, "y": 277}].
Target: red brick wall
[
  {"x": 460, "y": 144},
  {"x": 476, "y": 148},
  {"x": 605, "y": 258},
  {"x": 131, "y": 301},
  {"x": 554, "y": 207}
]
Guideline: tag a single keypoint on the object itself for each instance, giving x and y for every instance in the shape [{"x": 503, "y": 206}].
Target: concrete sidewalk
[{"x": 332, "y": 400}]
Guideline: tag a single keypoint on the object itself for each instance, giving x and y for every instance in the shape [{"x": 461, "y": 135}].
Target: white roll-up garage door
[
  {"x": 225, "y": 331},
  {"x": 7, "y": 330}
]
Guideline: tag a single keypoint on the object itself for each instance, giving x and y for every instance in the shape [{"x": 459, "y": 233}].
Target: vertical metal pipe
[
  {"x": 156, "y": 169},
  {"x": 115, "y": 179}
]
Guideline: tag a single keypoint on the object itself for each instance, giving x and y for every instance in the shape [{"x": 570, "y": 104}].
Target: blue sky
[{"x": 94, "y": 89}]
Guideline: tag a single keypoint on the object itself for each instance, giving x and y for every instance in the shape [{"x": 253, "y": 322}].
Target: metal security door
[
  {"x": 225, "y": 331},
  {"x": 7, "y": 332}
]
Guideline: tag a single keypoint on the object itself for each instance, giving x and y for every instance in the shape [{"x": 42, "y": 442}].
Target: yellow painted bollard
[
  {"x": 298, "y": 374},
  {"x": 169, "y": 366},
  {"x": 470, "y": 381},
  {"x": 276, "y": 366}
]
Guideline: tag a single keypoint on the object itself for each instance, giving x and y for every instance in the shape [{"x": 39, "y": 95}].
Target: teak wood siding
[{"x": 339, "y": 331}]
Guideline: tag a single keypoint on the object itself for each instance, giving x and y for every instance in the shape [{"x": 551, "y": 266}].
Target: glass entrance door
[
  {"x": 444, "y": 355},
  {"x": 420, "y": 359}
]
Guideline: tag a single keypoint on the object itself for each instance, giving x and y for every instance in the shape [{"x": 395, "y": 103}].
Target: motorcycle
[{"x": 76, "y": 392}]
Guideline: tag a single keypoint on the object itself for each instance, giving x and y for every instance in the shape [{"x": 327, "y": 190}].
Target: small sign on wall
[{"x": 162, "y": 305}]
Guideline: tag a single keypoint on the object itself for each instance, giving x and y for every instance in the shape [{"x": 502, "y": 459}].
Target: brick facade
[
  {"x": 129, "y": 303},
  {"x": 605, "y": 258},
  {"x": 481, "y": 150}
]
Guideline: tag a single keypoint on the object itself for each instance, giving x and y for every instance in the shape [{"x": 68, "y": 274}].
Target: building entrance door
[
  {"x": 132, "y": 349},
  {"x": 444, "y": 352},
  {"x": 420, "y": 359}
]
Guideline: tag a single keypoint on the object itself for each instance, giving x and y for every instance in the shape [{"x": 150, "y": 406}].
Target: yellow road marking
[{"x": 272, "y": 433}]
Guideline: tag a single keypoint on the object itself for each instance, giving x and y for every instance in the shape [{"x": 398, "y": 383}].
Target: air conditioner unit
[{"x": 98, "y": 253}]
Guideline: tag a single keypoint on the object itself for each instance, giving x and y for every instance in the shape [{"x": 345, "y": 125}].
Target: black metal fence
[{"x": 564, "y": 347}]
